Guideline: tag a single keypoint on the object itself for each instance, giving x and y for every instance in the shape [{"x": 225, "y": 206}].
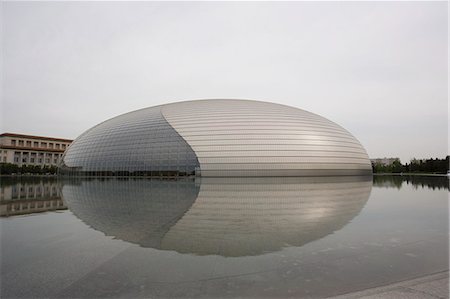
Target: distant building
[
  {"x": 384, "y": 161},
  {"x": 31, "y": 150}
]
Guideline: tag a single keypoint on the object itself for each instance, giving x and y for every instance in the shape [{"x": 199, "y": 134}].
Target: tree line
[
  {"x": 9, "y": 168},
  {"x": 438, "y": 166},
  {"x": 417, "y": 181}
]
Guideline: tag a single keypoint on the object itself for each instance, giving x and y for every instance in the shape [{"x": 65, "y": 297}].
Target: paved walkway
[{"x": 430, "y": 286}]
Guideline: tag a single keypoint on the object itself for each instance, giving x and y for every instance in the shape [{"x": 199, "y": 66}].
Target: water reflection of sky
[{"x": 224, "y": 238}]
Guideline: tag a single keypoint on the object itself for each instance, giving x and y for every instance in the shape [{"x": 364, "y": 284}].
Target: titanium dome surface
[{"x": 217, "y": 138}]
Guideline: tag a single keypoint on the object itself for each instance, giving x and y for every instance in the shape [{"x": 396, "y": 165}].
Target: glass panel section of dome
[{"x": 139, "y": 143}]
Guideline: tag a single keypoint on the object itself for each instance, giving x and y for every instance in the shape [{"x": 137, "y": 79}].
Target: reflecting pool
[{"x": 219, "y": 237}]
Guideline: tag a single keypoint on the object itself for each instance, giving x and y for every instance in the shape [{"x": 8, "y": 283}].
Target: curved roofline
[
  {"x": 228, "y": 99},
  {"x": 195, "y": 100}
]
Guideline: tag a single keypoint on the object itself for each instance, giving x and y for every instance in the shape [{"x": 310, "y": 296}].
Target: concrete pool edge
[{"x": 434, "y": 285}]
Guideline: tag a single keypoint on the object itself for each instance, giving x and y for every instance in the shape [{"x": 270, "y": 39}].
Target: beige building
[{"x": 31, "y": 150}]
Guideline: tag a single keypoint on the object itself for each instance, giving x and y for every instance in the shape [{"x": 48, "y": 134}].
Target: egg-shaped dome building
[{"x": 216, "y": 138}]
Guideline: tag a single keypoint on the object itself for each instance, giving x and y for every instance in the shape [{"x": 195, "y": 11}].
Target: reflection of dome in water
[
  {"x": 228, "y": 217},
  {"x": 138, "y": 211},
  {"x": 216, "y": 138}
]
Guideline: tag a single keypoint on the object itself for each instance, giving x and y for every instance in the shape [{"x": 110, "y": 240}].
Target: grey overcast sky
[{"x": 379, "y": 69}]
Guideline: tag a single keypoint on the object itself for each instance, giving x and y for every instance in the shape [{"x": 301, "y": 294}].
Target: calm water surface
[{"x": 271, "y": 237}]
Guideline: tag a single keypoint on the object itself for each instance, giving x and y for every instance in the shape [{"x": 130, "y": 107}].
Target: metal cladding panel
[
  {"x": 252, "y": 138},
  {"x": 287, "y": 173}
]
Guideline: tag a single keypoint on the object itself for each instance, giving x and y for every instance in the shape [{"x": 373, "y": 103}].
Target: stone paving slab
[{"x": 434, "y": 286}]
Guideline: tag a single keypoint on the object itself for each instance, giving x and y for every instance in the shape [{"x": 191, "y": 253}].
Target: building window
[
  {"x": 57, "y": 145},
  {"x": 47, "y": 160},
  {"x": 31, "y": 160},
  {"x": 50, "y": 145},
  {"x": 39, "y": 160},
  {"x": 4, "y": 159},
  {"x": 44, "y": 144},
  {"x": 24, "y": 160},
  {"x": 13, "y": 142},
  {"x": 55, "y": 161},
  {"x": 36, "y": 144},
  {"x": 20, "y": 142},
  {"x": 64, "y": 146},
  {"x": 29, "y": 143}
]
